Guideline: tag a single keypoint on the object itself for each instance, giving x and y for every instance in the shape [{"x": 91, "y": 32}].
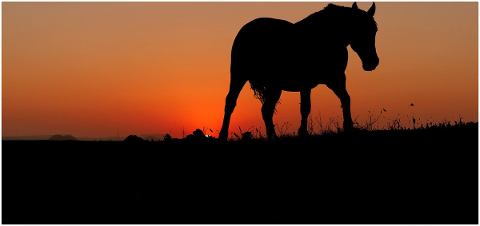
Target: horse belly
[
  {"x": 291, "y": 72},
  {"x": 312, "y": 69},
  {"x": 297, "y": 79},
  {"x": 282, "y": 72}
]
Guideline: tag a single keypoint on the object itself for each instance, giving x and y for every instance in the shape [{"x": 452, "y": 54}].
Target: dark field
[{"x": 422, "y": 176}]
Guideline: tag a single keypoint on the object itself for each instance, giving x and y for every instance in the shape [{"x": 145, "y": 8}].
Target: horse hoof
[
  {"x": 350, "y": 129},
  {"x": 272, "y": 137},
  {"x": 302, "y": 133},
  {"x": 222, "y": 137}
]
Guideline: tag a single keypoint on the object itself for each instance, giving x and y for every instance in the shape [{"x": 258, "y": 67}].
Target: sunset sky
[{"x": 93, "y": 69}]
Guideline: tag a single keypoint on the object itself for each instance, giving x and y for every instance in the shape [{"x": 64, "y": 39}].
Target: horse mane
[
  {"x": 330, "y": 8},
  {"x": 328, "y": 11}
]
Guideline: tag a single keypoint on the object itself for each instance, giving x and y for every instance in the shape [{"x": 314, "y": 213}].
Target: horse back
[
  {"x": 264, "y": 35},
  {"x": 276, "y": 52}
]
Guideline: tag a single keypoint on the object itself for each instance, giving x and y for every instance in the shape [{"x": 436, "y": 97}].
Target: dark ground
[{"x": 387, "y": 177}]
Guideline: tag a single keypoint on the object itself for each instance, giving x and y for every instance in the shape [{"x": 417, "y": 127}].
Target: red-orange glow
[{"x": 92, "y": 69}]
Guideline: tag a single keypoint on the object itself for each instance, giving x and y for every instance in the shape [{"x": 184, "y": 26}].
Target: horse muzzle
[{"x": 371, "y": 64}]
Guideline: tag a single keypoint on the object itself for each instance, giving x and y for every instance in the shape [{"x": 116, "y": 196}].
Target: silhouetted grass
[
  {"x": 318, "y": 127},
  {"x": 396, "y": 175}
]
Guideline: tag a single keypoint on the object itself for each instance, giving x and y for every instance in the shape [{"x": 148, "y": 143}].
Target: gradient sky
[{"x": 92, "y": 69}]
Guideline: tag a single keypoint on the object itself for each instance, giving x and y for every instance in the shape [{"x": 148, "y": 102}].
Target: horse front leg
[
  {"x": 305, "y": 106},
  {"x": 340, "y": 90},
  {"x": 268, "y": 109}
]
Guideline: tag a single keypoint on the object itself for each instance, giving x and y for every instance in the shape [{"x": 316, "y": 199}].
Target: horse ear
[
  {"x": 354, "y": 6},
  {"x": 371, "y": 11}
]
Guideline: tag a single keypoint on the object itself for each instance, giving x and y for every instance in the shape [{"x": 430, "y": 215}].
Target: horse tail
[{"x": 259, "y": 90}]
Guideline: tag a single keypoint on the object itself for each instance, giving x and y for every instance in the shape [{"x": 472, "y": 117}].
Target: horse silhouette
[{"x": 275, "y": 55}]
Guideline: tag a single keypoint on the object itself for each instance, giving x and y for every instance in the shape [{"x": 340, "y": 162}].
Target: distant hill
[
  {"x": 39, "y": 137},
  {"x": 154, "y": 137},
  {"x": 47, "y": 137},
  {"x": 62, "y": 138},
  {"x": 112, "y": 138},
  {"x": 149, "y": 137},
  {"x": 133, "y": 138}
]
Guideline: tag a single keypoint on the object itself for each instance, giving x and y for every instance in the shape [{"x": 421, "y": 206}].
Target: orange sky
[{"x": 92, "y": 69}]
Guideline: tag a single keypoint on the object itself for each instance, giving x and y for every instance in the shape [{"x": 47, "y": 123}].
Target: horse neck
[{"x": 327, "y": 27}]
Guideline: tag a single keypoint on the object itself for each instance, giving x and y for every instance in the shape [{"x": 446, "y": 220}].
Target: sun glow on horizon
[{"x": 92, "y": 69}]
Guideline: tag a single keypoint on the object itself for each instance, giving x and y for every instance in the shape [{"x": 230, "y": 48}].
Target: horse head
[{"x": 364, "y": 30}]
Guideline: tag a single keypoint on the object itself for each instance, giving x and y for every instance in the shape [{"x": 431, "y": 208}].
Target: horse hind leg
[
  {"x": 268, "y": 109},
  {"x": 236, "y": 85}
]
